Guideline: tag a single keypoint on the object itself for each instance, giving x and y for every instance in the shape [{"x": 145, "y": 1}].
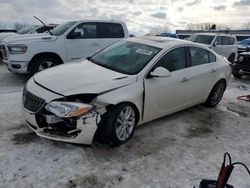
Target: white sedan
[{"x": 127, "y": 84}]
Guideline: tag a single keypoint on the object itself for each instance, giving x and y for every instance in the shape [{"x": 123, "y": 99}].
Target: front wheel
[
  {"x": 216, "y": 94},
  {"x": 42, "y": 63},
  {"x": 119, "y": 124}
]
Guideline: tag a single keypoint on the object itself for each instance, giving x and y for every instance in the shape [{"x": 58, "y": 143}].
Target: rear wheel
[
  {"x": 216, "y": 94},
  {"x": 119, "y": 124},
  {"x": 42, "y": 63}
]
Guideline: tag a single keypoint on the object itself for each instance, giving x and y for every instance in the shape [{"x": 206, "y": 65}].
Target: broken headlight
[{"x": 68, "y": 109}]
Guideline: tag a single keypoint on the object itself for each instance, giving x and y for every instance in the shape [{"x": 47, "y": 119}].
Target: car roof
[
  {"x": 162, "y": 42},
  {"x": 107, "y": 21}
]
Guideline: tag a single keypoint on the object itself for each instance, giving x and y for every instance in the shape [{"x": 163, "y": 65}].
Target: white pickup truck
[{"x": 65, "y": 43}]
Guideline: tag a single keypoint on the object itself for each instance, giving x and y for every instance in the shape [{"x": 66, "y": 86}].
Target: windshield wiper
[{"x": 46, "y": 27}]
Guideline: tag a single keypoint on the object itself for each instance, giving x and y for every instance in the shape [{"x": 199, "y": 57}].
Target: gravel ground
[{"x": 175, "y": 151}]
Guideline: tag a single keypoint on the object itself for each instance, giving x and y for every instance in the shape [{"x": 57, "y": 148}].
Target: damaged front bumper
[{"x": 81, "y": 130}]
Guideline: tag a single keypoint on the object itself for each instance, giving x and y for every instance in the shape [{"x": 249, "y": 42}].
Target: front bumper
[
  {"x": 84, "y": 132},
  {"x": 20, "y": 67},
  {"x": 240, "y": 69},
  {"x": 80, "y": 130}
]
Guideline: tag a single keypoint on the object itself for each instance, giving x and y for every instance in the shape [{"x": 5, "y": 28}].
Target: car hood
[
  {"x": 82, "y": 77},
  {"x": 5, "y": 35},
  {"x": 27, "y": 38}
]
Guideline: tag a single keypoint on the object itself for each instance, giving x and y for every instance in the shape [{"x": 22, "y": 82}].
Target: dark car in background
[
  {"x": 244, "y": 46},
  {"x": 168, "y": 34},
  {"x": 242, "y": 65}
]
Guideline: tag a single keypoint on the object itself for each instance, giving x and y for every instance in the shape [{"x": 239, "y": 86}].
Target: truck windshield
[
  {"x": 27, "y": 29},
  {"x": 204, "y": 39},
  {"x": 62, "y": 28},
  {"x": 125, "y": 57}
]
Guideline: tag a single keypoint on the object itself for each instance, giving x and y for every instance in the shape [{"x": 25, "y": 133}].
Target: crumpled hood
[
  {"x": 82, "y": 77},
  {"x": 27, "y": 38}
]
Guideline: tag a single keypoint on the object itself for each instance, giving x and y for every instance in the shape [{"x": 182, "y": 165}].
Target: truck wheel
[
  {"x": 42, "y": 63},
  {"x": 231, "y": 58}
]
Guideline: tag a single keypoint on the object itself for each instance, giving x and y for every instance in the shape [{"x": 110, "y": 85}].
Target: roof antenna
[{"x": 43, "y": 24}]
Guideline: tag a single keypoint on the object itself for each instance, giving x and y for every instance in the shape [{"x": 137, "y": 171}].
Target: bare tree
[
  {"x": 206, "y": 26},
  {"x": 246, "y": 26}
]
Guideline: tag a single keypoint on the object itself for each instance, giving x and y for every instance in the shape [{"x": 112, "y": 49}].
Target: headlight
[
  {"x": 68, "y": 109},
  {"x": 17, "y": 49}
]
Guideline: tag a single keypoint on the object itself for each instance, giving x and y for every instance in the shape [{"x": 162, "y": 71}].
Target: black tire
[
  {"x": 216, "y": 94},
  {"x": 231, "y": 58},
  {"x": 45, "y": 62},
  {"x": 108, "y": 128},
  {"x": 236, "y": 75}
]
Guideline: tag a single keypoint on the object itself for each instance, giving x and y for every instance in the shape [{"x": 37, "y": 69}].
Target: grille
[
  {"x": 31, "y": 102},
  {"x": 1, "y": 51}
]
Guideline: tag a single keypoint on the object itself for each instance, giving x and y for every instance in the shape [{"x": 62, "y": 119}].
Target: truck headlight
[
  {"x": 68, "y": 109},
  {"x": 17, "y": 49}
]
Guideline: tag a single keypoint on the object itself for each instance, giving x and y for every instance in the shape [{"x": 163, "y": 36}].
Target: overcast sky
[{"x": 140, "y": 15}]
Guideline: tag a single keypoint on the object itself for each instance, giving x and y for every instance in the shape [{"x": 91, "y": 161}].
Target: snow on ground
[{"x": 175, "y": 151}]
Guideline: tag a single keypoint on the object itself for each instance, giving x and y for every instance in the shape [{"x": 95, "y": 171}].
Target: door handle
[
  {"x": 213, "y": 70},
  {"x": 184, "y": 80}
]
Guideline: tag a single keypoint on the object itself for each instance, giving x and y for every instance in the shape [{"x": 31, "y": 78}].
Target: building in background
[{"x": 240, "y": 34}]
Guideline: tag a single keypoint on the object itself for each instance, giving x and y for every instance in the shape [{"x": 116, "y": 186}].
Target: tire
[
  {"x": 231, "y": 58},
  {"x": 42, "y": 63},
  {"x": 236, "y": 75},
  {"x": 216, "y": 94},
  {"x": 115, "y": 129}
]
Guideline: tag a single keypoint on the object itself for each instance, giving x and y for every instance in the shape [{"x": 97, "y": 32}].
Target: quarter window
[
  {"x": 110, "y": 30},
  {"x": 173, "y": 60},
  {"x": 212, "y": 57},
  {"x": 199, "y": 56}
]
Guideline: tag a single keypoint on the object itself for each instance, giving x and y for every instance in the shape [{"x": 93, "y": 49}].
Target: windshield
[
  {"x": 27, "y": 29},
  {"x": 125, "y": 57},
  {"x": 60, "y": 29},
  {"x": 204, "y": 39}
]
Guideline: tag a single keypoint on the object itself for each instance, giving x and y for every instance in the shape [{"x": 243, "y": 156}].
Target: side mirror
[
  {"x": 74, "y": 35},
  {"x": 160, "y": 72}
]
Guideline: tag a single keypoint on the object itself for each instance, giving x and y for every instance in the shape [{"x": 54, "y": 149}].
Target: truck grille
[
  {"x": 1, "y": 51},
  {"x": 31, "y": 102}
]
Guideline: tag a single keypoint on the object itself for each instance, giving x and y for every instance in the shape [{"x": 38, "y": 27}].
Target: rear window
[
  {"x": 110, "y": 30},
  {"x": 199, "y": 56}
]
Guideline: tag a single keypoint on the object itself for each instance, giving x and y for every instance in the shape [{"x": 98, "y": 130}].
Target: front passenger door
[
  {"x": 164, "y": 95},
  {"x": 82, "y": 41}
]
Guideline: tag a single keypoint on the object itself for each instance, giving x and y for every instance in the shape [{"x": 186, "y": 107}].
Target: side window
[
  {"x": 84, "y": 31},
  {"x": 225, "y": 40},
  {"x": 218, "y": 40},
  {"x": 212, "y": 57},
  {"x": 173, "y": 60},
  {"x": 232, "y": 41},
  {"x": 110, "y": 30},
  {"x": 199, "y": 56}
]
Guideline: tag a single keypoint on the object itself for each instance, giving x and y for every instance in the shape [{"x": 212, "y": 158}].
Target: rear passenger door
[{"x": 202, "y": 70}]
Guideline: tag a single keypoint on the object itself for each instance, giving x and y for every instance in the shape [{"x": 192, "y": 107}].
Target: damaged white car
[{"x": 129, "y": 83}]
